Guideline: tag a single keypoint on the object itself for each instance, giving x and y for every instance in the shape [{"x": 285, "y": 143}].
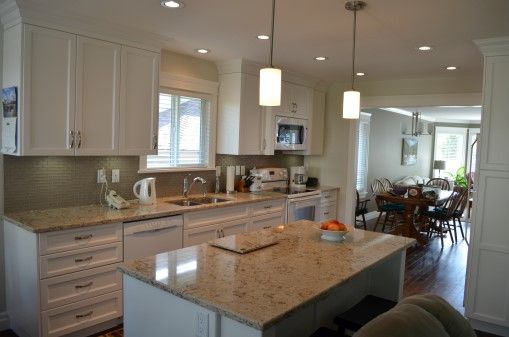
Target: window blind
[
  {"x": 184, "y": 125},
  {"x": 363, "y": 152}
]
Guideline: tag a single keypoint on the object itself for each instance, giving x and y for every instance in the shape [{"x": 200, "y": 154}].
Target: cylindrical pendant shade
[
  {"x": 270, "y": 87},
  {"x": 351, "y": 104}
]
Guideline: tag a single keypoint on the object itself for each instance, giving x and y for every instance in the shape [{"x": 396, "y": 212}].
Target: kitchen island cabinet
[{"x": 287, "y": 289}]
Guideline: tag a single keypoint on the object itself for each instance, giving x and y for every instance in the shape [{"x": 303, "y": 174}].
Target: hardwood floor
[{"x": 429, "y": 269}]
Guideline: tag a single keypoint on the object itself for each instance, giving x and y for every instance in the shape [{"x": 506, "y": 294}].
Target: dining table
[{"x": 408, "y": 228}]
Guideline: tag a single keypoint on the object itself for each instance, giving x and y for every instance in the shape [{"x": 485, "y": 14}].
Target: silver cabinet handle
[
  {"x": 78, "y": 135},
  {"x": 267, "y": 207},
  {"x": 71, "y": 139},
  {"x": 222, "y": 233},
  {"x": 326, "y": 213},
  {"x": 81, "y": 286},
  {"x": 86, "y": 259},
  {"x": 266, "y": 227},
  {"x": 83, "y": 237},
  {"x": 85, "y": 315},
  {"x": 154, "y": 141}
]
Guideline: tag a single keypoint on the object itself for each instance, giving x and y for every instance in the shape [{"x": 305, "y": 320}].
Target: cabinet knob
[
  {"x": 78, "y": 136},
  {"x": 154, "y": 141}
]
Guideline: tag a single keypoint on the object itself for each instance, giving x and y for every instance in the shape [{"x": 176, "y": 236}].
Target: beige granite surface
[
  {"x": 263, "y": 287},
  {"x": 81, "y": 216}
]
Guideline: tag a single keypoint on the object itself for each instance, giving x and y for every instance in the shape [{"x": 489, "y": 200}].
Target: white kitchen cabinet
[
  {"x": 296, "y": 101},
  {"x": 80, "y": 96},
  {"x": 139, "y": 97},
  {"x": 47, "y": 91},
  {"x": 328, "y": 204},
  {"x": 97, "y": 99},
  {"x": 239, "y": 126},
  {"x": 266, "y": 221},
  {"x": 486, "y": 290},
  {"x": 234, "y": 227},
  {"x": 196, "y": 236}
]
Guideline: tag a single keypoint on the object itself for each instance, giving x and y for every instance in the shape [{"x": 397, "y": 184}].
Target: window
[
  {"x": 363, "y": 153},
  {"x": 450, "y": 145},
  {"x": 184, "y": 133}
]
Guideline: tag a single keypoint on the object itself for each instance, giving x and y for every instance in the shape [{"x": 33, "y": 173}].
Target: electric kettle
[{"x": 147, "y": 191}]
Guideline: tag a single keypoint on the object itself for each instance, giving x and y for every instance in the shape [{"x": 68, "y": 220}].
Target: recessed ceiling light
[
  {"x": 203, "y": 51},
  {"x": 263, "y": 37},
  {"x": 451, "y": 68},
  {"x": 171, "y": 4},
  {"x": 360, "y": 74},
  {"x": 425, "y": 48},
  {"x": 321, "y": 58}
]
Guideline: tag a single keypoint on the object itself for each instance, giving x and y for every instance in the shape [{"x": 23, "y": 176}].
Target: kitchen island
[{"x": 287, "y": 289}]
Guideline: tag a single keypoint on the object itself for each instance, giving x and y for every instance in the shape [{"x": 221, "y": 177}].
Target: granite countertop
[
  {"x": 39, "y": 221},
  {"x": 254, "y": 288}
]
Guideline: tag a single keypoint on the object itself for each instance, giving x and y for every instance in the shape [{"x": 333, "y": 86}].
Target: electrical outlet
[
  {"x": 202, "y": 325},
  {"x": 242, "y": 170},
  {"x": 237, "y": 170},
  {"x": 115, "y": 175},
  {"x": 101, "y": 176}
]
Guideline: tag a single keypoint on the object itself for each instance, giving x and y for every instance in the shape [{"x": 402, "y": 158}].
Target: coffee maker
[{"x": 298, "y": 177}]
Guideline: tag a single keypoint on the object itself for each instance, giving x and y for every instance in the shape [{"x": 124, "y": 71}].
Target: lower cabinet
[
  {"x": 203, "y": 226},
  {"x": 329, "y": 204}
]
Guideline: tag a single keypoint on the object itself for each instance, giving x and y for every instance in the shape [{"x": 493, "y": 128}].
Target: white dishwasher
[{"x": 151, "y": 237}]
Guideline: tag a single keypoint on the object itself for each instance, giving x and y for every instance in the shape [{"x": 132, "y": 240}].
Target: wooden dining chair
[
  {"x": 388, "y": 211},
  {"x": 361, "y": 209},
  {"x": 460, "y": 209},
  {"x": 439, "y": 182}
]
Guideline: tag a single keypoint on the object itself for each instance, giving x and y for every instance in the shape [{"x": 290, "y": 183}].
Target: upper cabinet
[
  {"x": 47, "y": 91},
  {"x": 79, "y": 95},
  {"x": 296, "y": 101},
  {"x": 139, "y": 97},
  {"x": 246, "y": 128}
]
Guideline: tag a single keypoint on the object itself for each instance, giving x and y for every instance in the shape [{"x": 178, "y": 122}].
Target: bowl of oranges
[{"x": 333, "y": 230}]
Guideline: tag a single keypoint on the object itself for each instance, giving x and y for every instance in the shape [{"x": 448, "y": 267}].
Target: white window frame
[
  {"x": 192, "y": 87},
  {"x": 366, "y": 119}
]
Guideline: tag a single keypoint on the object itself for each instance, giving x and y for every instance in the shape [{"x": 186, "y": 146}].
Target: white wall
[
  {"x": 2, "y": 273},
  {"x": 385, "y": 145}
]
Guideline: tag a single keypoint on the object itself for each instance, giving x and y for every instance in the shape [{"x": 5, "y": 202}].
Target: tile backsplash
[{"x": 49, "y": 182}]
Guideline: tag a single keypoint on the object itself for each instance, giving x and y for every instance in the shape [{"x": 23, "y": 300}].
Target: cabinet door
[
  {"x": 200, "y": 235},
  {"x": 266, "y": 221},
  {"x": 301, "y": 100},
  {"x": 234, "y": 227},
  {"x": 97, "y": 100},
  {"x": 250, "y": 117},
  {"x": 139, "y": 102},
  {"x": 48, "y": 92}
]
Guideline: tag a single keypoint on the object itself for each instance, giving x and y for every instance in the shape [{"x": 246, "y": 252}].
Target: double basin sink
[{"x": 197, "y": 201}]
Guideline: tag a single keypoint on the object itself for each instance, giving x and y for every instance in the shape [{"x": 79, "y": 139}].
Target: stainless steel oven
[{"x": 291, "y": 133}]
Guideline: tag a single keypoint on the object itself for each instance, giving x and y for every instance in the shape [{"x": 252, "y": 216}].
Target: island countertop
[{"x": 263, "y": 287}]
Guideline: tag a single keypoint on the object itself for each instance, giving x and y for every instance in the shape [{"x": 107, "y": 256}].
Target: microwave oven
[{"x": 291, "y": 133}]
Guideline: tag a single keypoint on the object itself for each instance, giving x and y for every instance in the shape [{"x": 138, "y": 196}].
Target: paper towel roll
[{"x": 230, "y": 178}]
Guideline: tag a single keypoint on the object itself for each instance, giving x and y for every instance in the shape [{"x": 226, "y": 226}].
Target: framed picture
[
  {"x": 10, "y": 102},
  {"x": 409, "y": 152}
]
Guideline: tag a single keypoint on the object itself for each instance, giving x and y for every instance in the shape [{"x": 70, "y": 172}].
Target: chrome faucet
[{"x": 187, "y": 187}]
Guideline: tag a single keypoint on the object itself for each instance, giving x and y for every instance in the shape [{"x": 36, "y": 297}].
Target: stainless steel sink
[
  {"x": 209, "y": 200},
  {"x": 184, "y": 202},
  {"x": 197, "y": 201}
]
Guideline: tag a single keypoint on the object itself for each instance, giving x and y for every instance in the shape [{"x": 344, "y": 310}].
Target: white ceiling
[
  {"x": 388, "y": 34},
  {"x": 443, "y": 114}
]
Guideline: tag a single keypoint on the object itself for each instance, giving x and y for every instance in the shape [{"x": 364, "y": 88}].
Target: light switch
[
  {"x": 115, "y": 175},
  {"x": 101, "y": 176},
  {"x": 237, "y": 170},
  {"x": 242, "y": 170}
]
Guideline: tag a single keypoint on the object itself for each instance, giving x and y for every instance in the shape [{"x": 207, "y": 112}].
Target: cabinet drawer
[
  {"x": 70, "y": 288},
  {"x": 266, "y": 221},
  {"x": 80, "y": 259},
  {"x": 196, "y": 236},
  {"x": 214, "y": 216},
  {"x": 65, "y": 240},
  {"x": 270, "y": 206},
  {"x": 328, "y": 212},
  {"x": 329, "y": 196},
  {"x": 80, "y": 315}
]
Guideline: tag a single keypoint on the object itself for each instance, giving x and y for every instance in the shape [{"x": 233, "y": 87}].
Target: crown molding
[
  {"x": 466, "y": 99},
  {"x": 494, "y": 47}
]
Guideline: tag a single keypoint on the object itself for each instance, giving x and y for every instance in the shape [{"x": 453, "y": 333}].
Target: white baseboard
[{"x": 4, "y": 321}]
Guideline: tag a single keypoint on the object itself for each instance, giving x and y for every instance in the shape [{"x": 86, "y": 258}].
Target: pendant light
[
  {"x": 352, "y": 98},
  {"x": 270, "y": 78}
]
